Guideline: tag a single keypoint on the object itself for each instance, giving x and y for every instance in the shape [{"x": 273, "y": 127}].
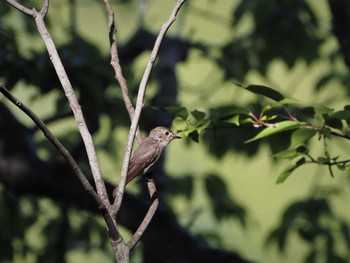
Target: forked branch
[{"x": 139, "y": 103}]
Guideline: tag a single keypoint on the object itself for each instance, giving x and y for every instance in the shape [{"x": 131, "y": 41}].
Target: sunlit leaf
[
  {"x": 291, "y": 153},
  {"x": 234, "y": 120},
  {"x": 323, "y": 111},
  {"x": 179, "y": 123},
  {"x": 302, "y": 135},
  {"x": 192, "y": 133},
  {"x": 278, "y": 128}
]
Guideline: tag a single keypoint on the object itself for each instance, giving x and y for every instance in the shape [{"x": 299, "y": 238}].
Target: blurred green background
[{"x": 232, "y": 45}]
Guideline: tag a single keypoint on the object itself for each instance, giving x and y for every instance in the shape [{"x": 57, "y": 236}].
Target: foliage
[{"x": 284, "y": 114}]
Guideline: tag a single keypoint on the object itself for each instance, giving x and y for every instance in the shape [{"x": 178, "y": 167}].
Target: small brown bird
[{"x": 149, "y": 151}]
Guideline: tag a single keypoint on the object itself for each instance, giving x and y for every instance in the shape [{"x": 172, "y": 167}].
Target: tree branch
[
  {"x": 73, "y": 102},
  {"x": 117, "y": 68},
  {"x": 150, "y": 213},
  {"x": 21, "y": 8},
  {"x": 139, "y": 104}
]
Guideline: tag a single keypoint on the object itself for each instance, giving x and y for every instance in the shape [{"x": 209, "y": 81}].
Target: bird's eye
[{"x": 166, "y": 133}]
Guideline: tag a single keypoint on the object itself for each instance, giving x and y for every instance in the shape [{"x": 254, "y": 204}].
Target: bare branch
[
  {"x": 73, "y": 102},
  {"x": 139, "y": 103},
  {"x": 116, "y": 65},
  {"x": 44, "y": 8},
  {"x": 21, "y": 8},
  {"x": 150, "y": 213}
]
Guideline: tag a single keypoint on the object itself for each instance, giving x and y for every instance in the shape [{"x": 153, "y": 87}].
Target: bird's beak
[{"x": 177, "y": 137}]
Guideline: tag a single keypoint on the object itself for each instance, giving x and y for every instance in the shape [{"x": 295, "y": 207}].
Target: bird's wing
[{"x": 146, "y": 154}]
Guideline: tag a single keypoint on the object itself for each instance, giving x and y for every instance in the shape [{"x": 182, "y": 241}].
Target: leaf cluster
[{"x": 282, "y": 115}]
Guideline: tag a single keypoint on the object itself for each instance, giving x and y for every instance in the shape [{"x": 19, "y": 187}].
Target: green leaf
[
  {"x": 192, "y": 133},
  {"x": 198, "y": 115},
  {"x": 189, "y": 129},
  {"x": 302, "y": 135},
  {"x": 202, "y": 125},
  {"x": 177, "y": 111},
  {"x": 265, "y": 91},
  {"x": 289, "y": 170},
  {"x": 234, "y": 120},
  {"x": 194, "y": 136},
  {"x": 179, "y": 123},
  {"x": 286, "y": 101},
  {"x": 334, "y": 123},
  {"x": 291, "y": 153},
  {"x": 266, "y": 118},
  {"x": 344, "y": 167},
  {"x": 326, "y": 132},
  {"x": 322, "y": 111},
  {"x": 280, "y": 127},
  {"x": 341, "y": 115}
]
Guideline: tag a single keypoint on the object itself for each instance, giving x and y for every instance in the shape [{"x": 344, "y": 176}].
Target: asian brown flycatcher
[{"x": 148, "y": 152}]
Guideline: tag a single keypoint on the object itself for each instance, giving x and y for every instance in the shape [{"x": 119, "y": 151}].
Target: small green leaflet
[
  {"x": 288, "y": 171},
  {"x": 198, "y": 115},
  {"x": 292, "y": 152}
]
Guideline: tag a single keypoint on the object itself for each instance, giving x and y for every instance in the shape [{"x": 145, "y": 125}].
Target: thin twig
[
  {"x": 115, "y": 63},
  {"x": 148, "y": 217},
  {"x": 139, "y": 104}
]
